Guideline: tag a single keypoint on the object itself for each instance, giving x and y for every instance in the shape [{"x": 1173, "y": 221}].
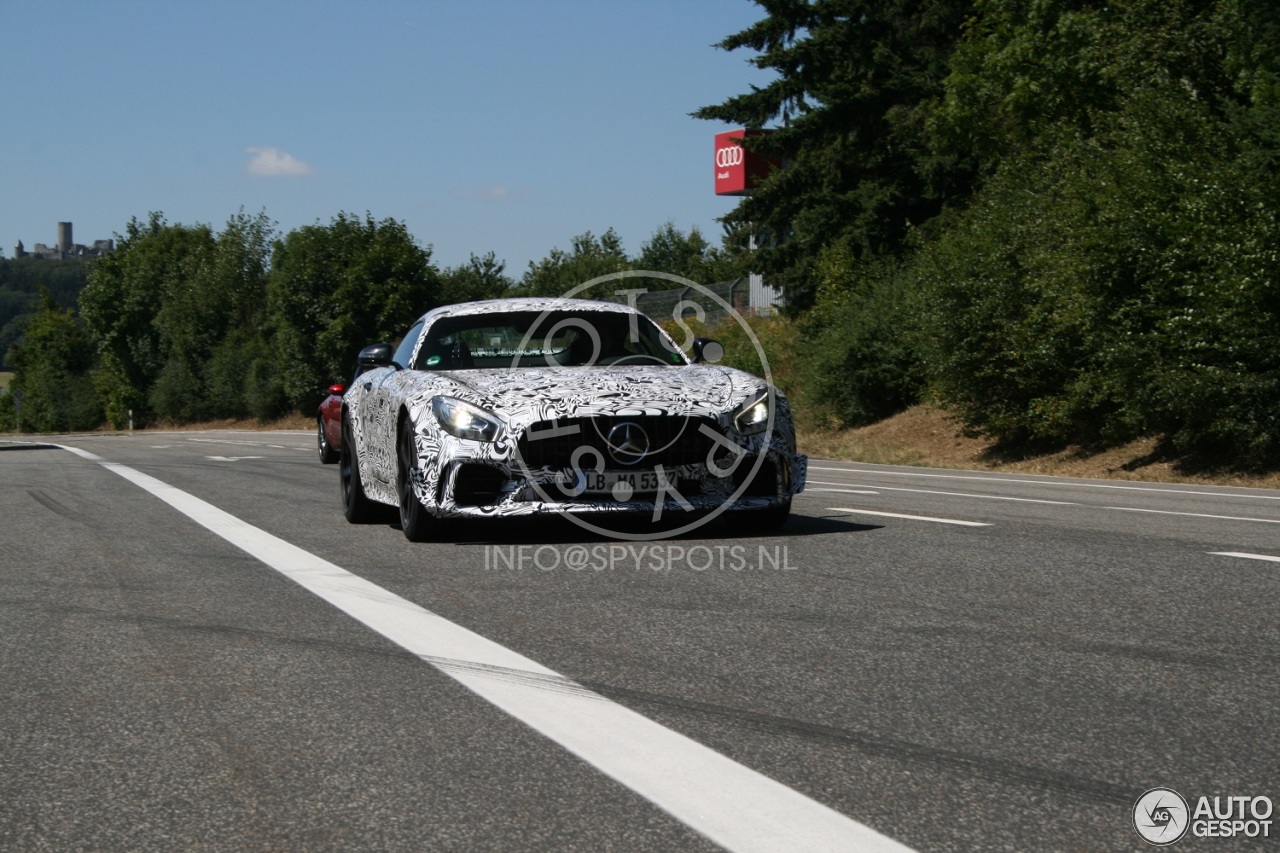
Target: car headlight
[
  {"x": 754, "y": 417},
  {"x": 464, "y": 420}
]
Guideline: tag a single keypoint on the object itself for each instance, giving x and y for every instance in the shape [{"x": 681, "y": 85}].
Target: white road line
[
  {"x": 912, "y": 517},
  {"x": 733, "y": 805},
  {"x": 1193, "y": 514},
  {"x": 226, "y": 441},
  {"x": 1246, "y": 556},
  {"x": 999, "y": 478},
  {"x": 842, "y": 491},
  {"x": 934, "y": 492}
]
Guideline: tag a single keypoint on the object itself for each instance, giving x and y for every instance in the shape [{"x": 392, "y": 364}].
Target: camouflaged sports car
[{"x": 513, "y": 407}]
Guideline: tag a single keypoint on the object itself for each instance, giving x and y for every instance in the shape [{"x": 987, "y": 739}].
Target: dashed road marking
[{"x": 912, "y": 517}]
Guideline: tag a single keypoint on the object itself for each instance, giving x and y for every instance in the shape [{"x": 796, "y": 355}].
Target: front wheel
[
  {"x": 356, "y": 506},
  {"x": 417, "y": 524}
]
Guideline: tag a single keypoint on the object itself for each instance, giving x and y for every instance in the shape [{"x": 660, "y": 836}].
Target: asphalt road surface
[{"x": 197, "y": 652}]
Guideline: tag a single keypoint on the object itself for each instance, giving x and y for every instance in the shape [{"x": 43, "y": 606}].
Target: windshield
[{"x": 544, "y": 339}]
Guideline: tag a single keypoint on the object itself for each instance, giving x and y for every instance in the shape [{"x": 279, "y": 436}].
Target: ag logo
[{"x": 1161, "y": 816}]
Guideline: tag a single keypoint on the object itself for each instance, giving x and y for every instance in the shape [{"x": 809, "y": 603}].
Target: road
[{"x": 198, "y": 652}]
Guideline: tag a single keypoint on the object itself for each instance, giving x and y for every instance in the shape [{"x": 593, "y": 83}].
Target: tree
[
  {"x": 220, "y": 297},
  {"x": 335, "y": 288},
  {"x": 560, "y": 272},
  {"x": 849, "y": 104},
  {"x": 690, "y": 256},
  {"x": 1121, "y": 286},
  {"x": 20, "y": 283},
  {"x": 482, "y": 277},
  {"x": 51, "y": 381},
  {"x": 122, "y": 306}
]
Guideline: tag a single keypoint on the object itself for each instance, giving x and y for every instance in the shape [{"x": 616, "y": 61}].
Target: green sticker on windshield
[{"x": 433, "y": 361}]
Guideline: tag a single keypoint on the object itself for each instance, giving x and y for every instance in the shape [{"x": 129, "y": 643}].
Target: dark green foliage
[
  {"x": 20, "y": 283},
  {"x": 178, "y": 394},
  {"x": 1059, "y": 220},
  {"x": 240, "y": 378},
  {"x": 336, "y": 288},
  {"x": 8, "y": 412},
  {"x": 51, "y": 389},
  {"x": 848, "y": 106},
  {"x": 860, "y": 361},
  {"x": 480, "y": 278},
  {"x": 1121, "y": 286},
  {"x": 123, "y": 303},
  {"x": 690, "y": 256},
  {"x": 562, "y": 272}
]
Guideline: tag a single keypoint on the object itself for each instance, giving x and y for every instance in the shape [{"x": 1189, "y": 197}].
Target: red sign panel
[{"x": 739, "y": 171}]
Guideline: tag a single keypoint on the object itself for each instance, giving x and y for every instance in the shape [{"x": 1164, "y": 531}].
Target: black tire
[
  {"x": 328, "y": 455},
  {"x": 418, "y": 524},
  {"x": 356, "y": 506}
]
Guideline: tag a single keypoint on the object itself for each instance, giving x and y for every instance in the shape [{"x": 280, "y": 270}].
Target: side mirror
[
  {"x": 707, "y": 350},
  {"x": 337, "y": 389},
  {"x": 376, "y": 355}
]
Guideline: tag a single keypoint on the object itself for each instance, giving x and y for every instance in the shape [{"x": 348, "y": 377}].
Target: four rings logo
[
  {"x": 1160, "y": 816},
  {"x": 726, "y": 157}
]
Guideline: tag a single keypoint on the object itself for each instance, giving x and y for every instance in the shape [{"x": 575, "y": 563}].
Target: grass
[{"x": 928, "y": 437}]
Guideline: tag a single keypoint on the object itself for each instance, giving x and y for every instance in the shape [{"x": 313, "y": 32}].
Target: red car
[{"x": 329, "y": 424}]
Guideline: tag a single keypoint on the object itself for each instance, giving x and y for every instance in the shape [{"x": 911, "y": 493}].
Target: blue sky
[{"x": 490, "y": 125}]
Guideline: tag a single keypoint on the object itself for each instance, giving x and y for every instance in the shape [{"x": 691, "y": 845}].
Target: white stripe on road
[
  {"x": 842, "y": 491},
  {"x": 1246, "y": 556},
  {"x": 1194, "y": 514},
  {"x": 912, "y": 517},
  {"x": 1005, "y": 478},
  {"x": 733, "y": 805},
  {"x": 931, "y": 492}
]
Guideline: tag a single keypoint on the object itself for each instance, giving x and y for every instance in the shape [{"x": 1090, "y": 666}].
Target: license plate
[{"x": 637, "y": 482}]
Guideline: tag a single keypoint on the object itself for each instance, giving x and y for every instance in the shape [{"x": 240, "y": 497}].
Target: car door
[{"x": 379, "y": 406}]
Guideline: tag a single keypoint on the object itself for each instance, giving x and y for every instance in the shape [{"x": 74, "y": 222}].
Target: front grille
[{"x": 672, "y": 440}]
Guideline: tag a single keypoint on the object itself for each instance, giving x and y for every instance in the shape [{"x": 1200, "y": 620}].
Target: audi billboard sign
[{"x": 738, "y": 170}]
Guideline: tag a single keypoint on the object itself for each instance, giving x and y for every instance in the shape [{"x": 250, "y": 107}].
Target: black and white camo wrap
[{"x": 381, "y": 399}]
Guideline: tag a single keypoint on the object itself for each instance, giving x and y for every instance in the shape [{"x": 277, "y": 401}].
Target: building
[{"x": 66, "y": 247}]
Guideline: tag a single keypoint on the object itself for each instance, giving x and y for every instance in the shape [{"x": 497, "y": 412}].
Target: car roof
[{"x": 525, "y": 303}]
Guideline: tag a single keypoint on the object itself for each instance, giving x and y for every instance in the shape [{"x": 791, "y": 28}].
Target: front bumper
[{"x": 468, "y": 488}]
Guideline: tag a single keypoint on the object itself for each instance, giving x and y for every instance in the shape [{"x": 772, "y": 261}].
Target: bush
[
  {"x": 1119, "y": 287},
  {"x": 52, "y": 386},
  {"x": 859, "y": 342},
  {"x": 8, "y": 414}
]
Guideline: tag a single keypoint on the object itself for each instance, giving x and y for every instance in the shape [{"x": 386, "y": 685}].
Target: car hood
[{"x": 543, "y": 393}]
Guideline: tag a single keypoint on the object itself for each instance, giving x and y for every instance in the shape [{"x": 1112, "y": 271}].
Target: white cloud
[{"x": 272, "y": 162}]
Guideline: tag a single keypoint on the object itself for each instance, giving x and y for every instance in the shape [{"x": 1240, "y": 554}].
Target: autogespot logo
[
  {"x": 617, "y": 455},
  {"x": 1160, "y": 816}
]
